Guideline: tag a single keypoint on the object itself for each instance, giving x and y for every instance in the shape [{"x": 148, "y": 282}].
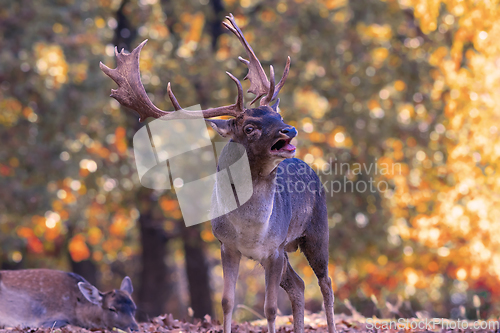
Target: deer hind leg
[
  {"x": 294, "y": 287},
  {"x": 316, "y": 251},
  {"x": 230, "y": 267}
]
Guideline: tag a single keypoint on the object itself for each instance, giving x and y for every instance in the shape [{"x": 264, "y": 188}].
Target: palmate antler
[
  {"x": 259, "y": 84},
  {"x": 131, "y": 92}
]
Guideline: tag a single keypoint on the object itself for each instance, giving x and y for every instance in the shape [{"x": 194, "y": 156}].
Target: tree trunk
[
  {"x": 197, "y": 269},
  {"x": 86, "y": 269},
  {"x": 215, "y": 24},
  {"x": 154, "y": 289}
]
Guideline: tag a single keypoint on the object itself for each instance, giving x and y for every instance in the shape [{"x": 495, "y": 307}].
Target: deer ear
[
  {"x": 223, "y": 126},
  {"x": 276, "y": 106},
  {"x": 127, "y": 285},
  {"x": 90, "y": 292}
]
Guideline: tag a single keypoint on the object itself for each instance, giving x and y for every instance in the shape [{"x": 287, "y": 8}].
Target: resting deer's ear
[
  {"x": 90, "y": 292},
  {"x": 223, "y": 126},
  {"x": 127, "y": 285}
]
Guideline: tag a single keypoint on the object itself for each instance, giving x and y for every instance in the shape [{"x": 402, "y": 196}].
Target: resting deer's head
[
  {"x": 115, "y": 308},
  {"x": 260, "y": 130}
]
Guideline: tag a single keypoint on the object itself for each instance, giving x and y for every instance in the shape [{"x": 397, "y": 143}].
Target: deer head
[
  {"x": 260, "y": 130},
  {"x": 116, "y": 308}
]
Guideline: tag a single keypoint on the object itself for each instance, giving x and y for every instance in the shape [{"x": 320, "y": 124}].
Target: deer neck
[
  {"x": 263, "y": 180},
  {"x": 255, "y": 210},
  {"x": 90, "y": 315},
  {"x": 255, "y": 213},
  {"x": 264, "y": 188}
]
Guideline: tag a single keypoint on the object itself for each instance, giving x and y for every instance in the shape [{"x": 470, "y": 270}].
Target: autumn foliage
[{"x": 410, "y": 86}]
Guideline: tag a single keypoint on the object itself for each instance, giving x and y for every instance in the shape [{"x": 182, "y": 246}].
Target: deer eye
[
  {"x": 249, "y": 129},
  {"x": 112, "y": 309}
]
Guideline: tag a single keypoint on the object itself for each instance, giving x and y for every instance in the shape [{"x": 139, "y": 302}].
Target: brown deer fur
[{"x": 50, "y": 298}]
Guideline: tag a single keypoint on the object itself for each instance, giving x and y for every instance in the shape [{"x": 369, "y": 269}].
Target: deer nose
[{"x": 289, "y": 131}]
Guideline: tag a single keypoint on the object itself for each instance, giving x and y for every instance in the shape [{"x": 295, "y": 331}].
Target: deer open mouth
[{"x": 283, "y": 145}]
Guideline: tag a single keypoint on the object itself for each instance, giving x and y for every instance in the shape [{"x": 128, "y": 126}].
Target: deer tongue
[
  {"x": 289, "y": 147},
  {"x": 283, "y": 145}
]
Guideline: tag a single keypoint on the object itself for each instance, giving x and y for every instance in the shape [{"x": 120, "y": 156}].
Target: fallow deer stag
[
  {"x": 51, "y": 299},
  {"x": 275, "y": 219}
]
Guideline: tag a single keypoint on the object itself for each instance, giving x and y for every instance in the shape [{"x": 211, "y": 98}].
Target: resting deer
[
  {"x": 50, "y": 298},
  {"x": 275, "y": 219}
]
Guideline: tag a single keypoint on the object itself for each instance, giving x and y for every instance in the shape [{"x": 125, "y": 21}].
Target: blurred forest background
[{"x": 406, "y": 83}]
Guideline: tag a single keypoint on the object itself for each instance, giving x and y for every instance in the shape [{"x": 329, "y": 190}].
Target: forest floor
[{"x": 313, "y": 323}]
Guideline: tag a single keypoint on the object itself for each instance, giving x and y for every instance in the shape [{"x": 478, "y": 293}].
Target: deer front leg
[
  {"x": 230, "y": 266},
  {"x": 274, "y": 270}
]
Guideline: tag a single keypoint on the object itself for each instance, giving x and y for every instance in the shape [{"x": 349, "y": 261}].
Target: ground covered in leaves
[{"x": 313, "y": 323}]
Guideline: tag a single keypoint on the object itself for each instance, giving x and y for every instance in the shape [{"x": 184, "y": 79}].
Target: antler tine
[
  {"x": 283, "y": 79},
  {"x": 131, "y": 92},
  {"x": 266, "y": 100},
  {"x": 233, "y": 110},
  {"x": 239, "y": 101},
  {"x": 230, "y": 110},
  {"x": 259, "y": 83},
  {"x": 171, "y": 95}
]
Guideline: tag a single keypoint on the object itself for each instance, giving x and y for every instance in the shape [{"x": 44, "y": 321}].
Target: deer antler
[
  {"x": 259, "y": 83},
  {"x": 131, "y": 92}
]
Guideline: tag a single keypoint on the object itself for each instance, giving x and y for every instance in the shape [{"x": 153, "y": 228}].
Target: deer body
[
  {"x": 276, "y": 218},
  {"x": 287, "y": 210},
  {"x": 272, "y": 217},
  {"x": 50, "y": 298}
]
